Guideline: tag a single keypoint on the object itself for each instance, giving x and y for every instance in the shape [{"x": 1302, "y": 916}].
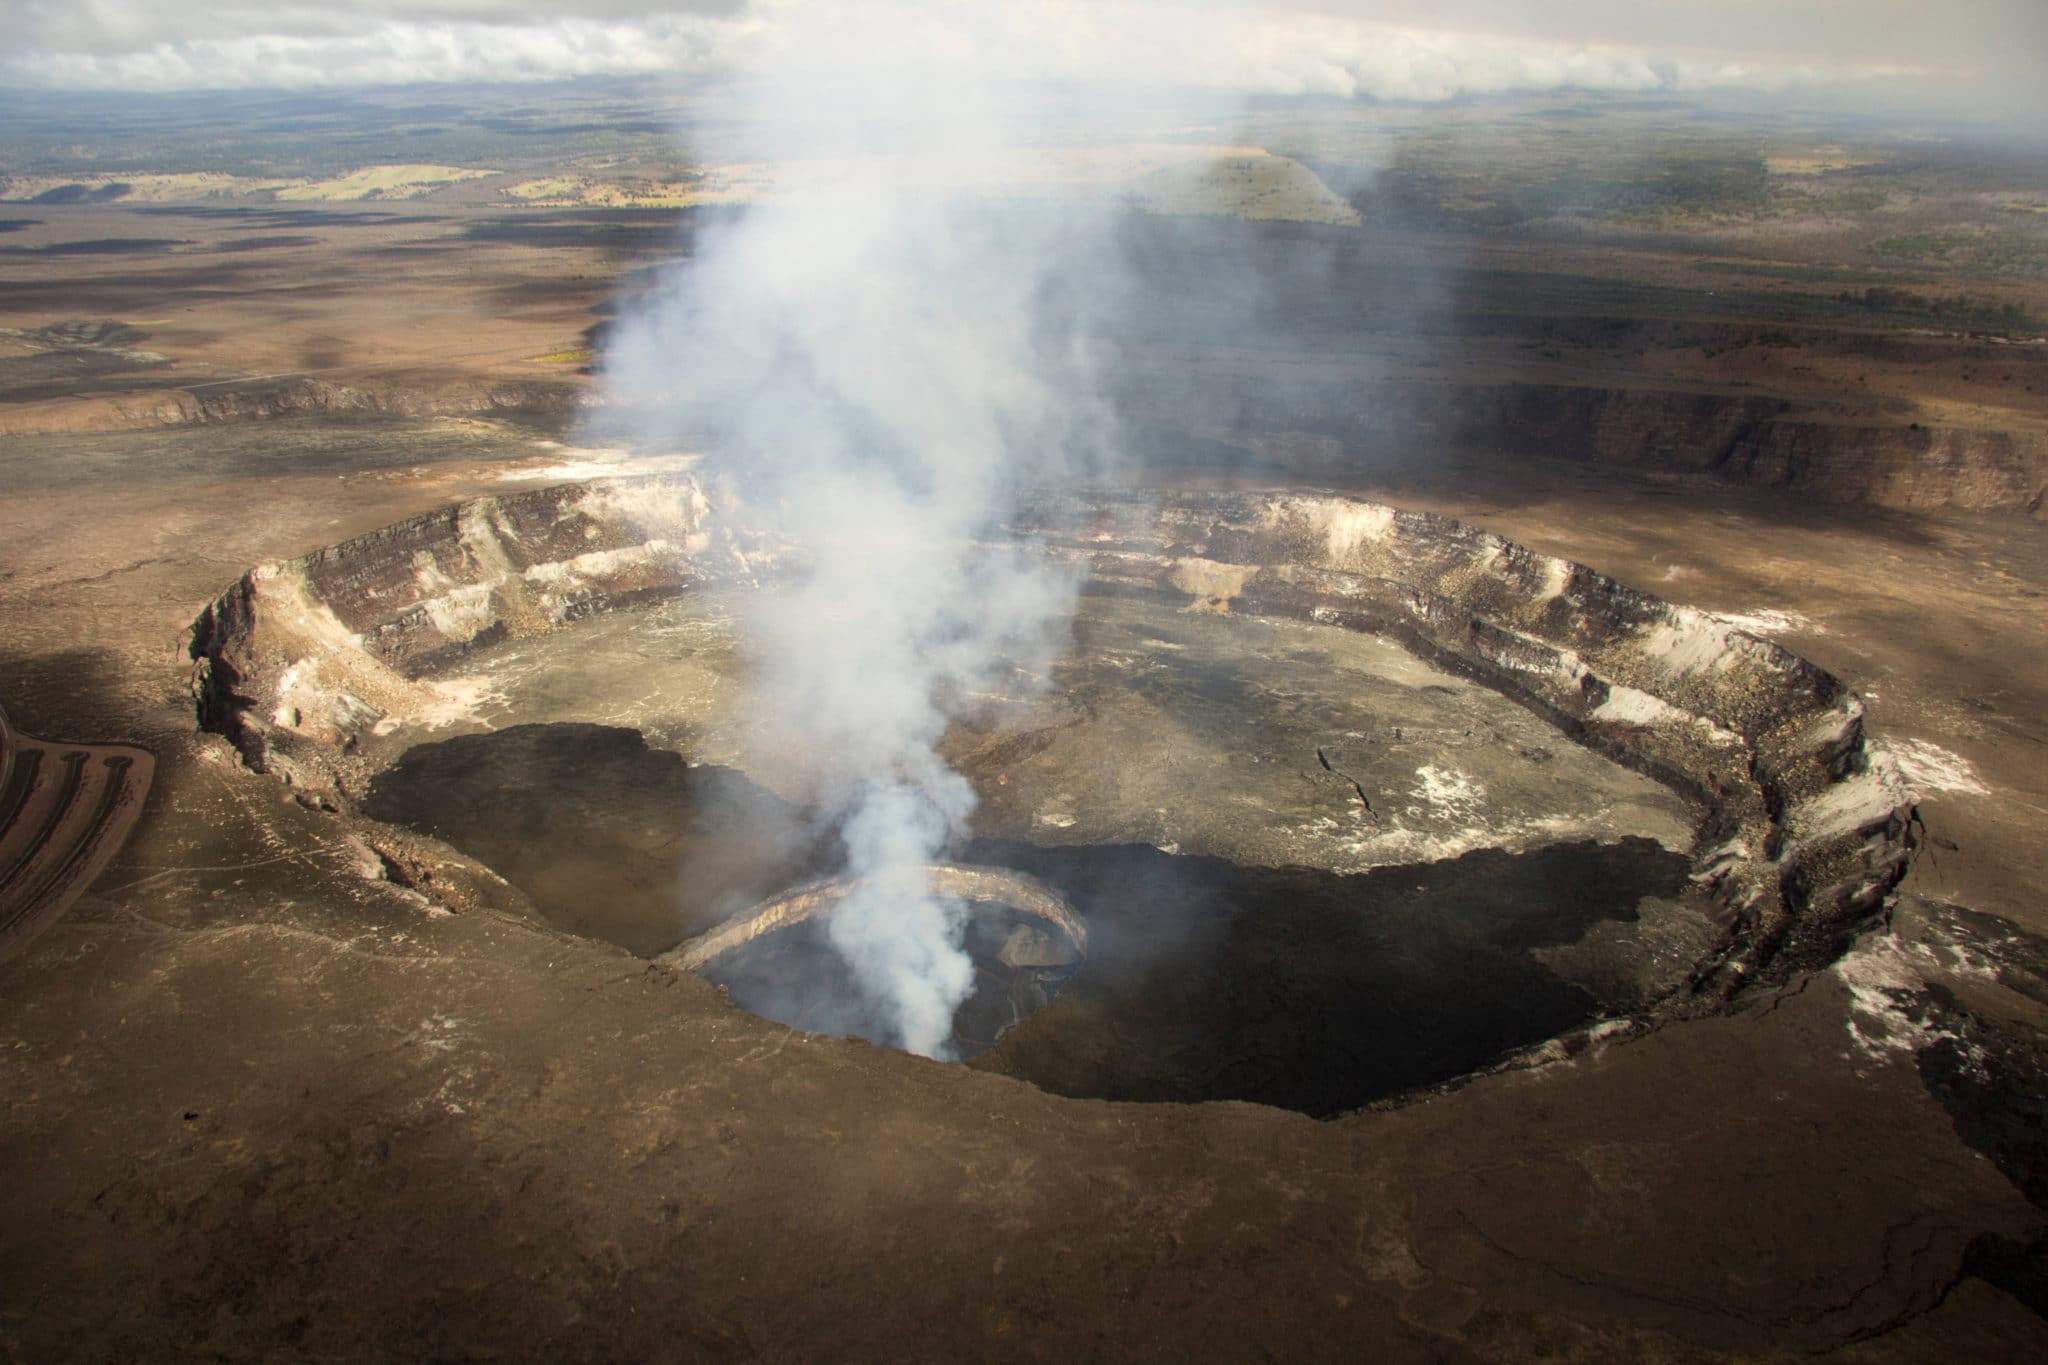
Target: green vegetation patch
[
  {"x": 1962, "y": 310},
  {"x": 1971, "y": 249},
  {"x": 1801, "y": 274}
]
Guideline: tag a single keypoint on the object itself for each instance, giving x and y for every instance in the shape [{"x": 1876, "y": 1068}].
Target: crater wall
[{"x": 1804, "y": 832}]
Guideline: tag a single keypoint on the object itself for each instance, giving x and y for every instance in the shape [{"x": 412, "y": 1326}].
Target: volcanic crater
[{"x": 1325, "y": 803}]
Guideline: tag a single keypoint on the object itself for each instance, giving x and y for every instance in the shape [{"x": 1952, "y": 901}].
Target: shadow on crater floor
[
  {"x": 1307, "y": 989},
  {"x": 610, "y": 839}
]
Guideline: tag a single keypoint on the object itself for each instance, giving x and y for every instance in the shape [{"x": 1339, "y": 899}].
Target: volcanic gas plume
[{"x": 876, "y": 361}]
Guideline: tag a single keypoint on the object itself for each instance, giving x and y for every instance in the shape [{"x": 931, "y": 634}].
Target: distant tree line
[{"x": 1964, "y": 310}]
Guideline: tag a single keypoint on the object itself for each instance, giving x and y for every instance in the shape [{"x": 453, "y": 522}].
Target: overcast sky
[{"x": 1979, "y": 52}]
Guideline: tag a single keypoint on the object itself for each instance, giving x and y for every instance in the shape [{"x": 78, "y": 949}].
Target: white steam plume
[{"x": 879, "y": 361}]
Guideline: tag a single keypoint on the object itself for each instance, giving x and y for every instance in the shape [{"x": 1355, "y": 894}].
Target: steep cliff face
[
  {"x": 1869, "y": 453},
  {"x": 1761, "y": 441},
  {"x": 269, "y": 400}
]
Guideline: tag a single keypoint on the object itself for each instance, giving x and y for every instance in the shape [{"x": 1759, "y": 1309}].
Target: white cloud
[
  {"x": 394, "y": 53},
  {"x": 1390, "y": 49}
]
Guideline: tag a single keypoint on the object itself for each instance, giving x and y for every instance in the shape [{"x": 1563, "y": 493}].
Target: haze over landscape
[{"x": 811, "y": 679}]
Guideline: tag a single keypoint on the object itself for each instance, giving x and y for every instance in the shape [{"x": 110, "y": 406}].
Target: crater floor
[
  {"x": 1261, "y": 741},
  {"x": 1320, "y": 871}
]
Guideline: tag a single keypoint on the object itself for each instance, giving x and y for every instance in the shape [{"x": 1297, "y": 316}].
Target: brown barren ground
[{"x": 262, "y": 1104}]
